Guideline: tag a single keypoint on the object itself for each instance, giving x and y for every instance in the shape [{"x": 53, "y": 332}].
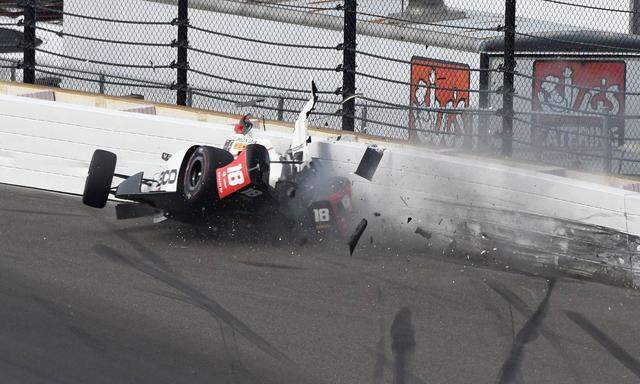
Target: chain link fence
[
  {"x": 431, "y": 72},
  {"x": 263, "y": 66},
  {"x": 577, "y": 84}
]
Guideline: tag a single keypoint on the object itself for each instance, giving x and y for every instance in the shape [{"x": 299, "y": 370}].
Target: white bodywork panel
[
  {"x": 166, "y": 175},
  {"x": 301, "y": 137}
]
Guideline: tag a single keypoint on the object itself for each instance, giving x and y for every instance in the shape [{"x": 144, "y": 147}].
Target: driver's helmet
[{"x": 244, "y": 125}]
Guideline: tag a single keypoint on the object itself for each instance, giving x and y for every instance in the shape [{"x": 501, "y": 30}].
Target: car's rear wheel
[
  {"x": 199, "y": 175},
  {"x": 98, "y": 183}
]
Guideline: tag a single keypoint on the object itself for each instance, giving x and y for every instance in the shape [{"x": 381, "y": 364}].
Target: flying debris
[
  {"x": 423, "y": 233},
  {"x": 353, "y": 241},
  {"x": 369, "y": 162}
]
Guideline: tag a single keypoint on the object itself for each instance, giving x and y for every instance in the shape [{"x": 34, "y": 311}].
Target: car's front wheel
[{"x": 98, "y": 183}]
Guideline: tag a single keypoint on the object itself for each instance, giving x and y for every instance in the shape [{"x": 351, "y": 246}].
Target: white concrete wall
[{"x": 53, "y": 140}]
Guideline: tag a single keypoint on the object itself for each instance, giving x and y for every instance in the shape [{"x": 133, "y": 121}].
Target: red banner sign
[
  {"x": 439, "y": 85},
  {"x": 566, "y": 86},
  {"x": 575, "y": 89}
]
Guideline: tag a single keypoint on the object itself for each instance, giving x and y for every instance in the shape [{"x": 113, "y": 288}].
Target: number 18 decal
[
  {"x": 234, "y": 175},
  {"x": 251, "y": 193},
  {"x": 322, "y": 215}
]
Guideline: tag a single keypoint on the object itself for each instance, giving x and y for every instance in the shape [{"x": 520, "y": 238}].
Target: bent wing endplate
[{"x": 301, "y": 137}]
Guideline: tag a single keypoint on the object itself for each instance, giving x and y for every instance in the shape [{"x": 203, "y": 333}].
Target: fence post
[
  {"x": 280, "y": 116},
  {"x": 634, "y": 19},
  {"x": 101, "y": 81},
  {"x": 364, "y": 117},
  {"x": 182, "y": 43},
  {"x": 608, "y": 150},
  {"x": 467, "y": 130},
  {"x": 507, "y": 86},
  {"x": 349, "y": 66},
  {"x": 29, "y": 42},
  {"x": 538, "y": 136},
  {"x": 483, "y": 102}
]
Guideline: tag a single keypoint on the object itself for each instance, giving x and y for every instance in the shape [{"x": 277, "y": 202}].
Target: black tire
[
  {"x": 98, "y": 183},
  {"x": 199, "y": 176}
]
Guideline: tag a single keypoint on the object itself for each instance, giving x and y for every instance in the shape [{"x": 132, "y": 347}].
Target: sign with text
[
  {"x": 439, "y": 85},
  {"x": 573, "y": 89}
]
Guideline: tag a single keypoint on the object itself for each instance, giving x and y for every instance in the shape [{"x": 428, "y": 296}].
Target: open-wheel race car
[{"x": 206, "y": 184}]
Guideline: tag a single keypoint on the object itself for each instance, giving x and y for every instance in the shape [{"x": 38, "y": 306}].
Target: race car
[{"x": 247, "y": 176}]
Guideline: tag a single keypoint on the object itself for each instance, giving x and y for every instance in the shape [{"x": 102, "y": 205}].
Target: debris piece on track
[
  {"x": 355, "y": 237},
  {"x": 423, "y": 233}
]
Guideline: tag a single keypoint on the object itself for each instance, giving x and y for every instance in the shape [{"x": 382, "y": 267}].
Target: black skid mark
[
  {"x": 510, "y": 371},
  {"x": 212, "y": 307},
  {"x": 553, "y": 338},
  {"x": 42, "y": 213},
  {"x": 614, "y": 349},
  {"x": 260, "y": 264},
  {"x": 233, "y": 353}
]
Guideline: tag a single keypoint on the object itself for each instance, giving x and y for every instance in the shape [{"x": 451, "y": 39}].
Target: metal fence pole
[
  {"x": 538, "y": 136},
  {"x": 349, "y": 66},
  {"x": 182, "y": 43},
  {"x": 467, "y": 126},
  {"x": 29, "y": 42},
  {"x": 364, "y": 116},
  {"x": 608, "y": 150},
  {"x": 508, "y": 79},
  {"x": 280, "y": 116},
  {"x": 484, "y": 121},
  {"x": 634, "y": 18},
  {"x": 101, "y": 81}
]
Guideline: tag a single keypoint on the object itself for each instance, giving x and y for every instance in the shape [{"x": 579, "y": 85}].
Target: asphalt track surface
[{"x": 88, "y": 299}]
